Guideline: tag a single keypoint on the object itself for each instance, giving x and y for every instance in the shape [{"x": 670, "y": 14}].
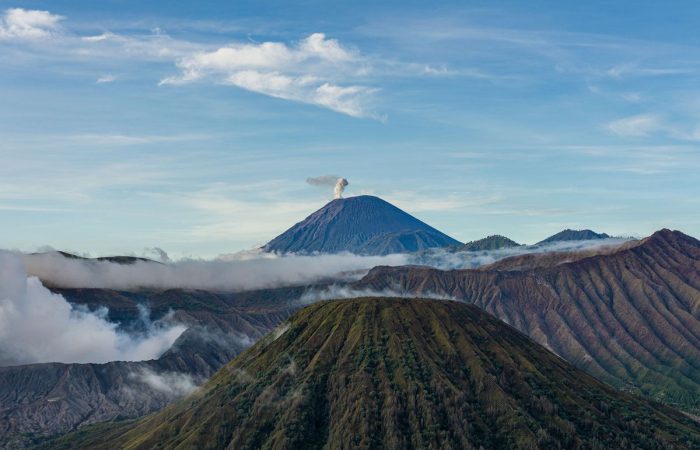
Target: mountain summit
[
  {"x": 494, "y": 242},
  {"x": 365, "y": 225},
  {"x": 575, "y": 235},
  {"x": 399, "y": 374}
]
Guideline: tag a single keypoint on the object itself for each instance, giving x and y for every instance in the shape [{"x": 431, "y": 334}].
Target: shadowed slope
[
  {"x": 574, "y": 235},
  {"x": 399, "y": 374},
  {"x": 494, "y": 242},
  {"x": 630, "y": 316}
]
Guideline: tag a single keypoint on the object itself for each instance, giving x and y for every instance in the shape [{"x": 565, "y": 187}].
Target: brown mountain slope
[
  {"x": 399, "y": 374},
  {"x": 44, "y": 399},
  {"x": 630, "y": 317}
]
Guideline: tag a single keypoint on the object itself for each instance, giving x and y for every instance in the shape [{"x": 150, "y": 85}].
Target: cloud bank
[
  {"x": 243, "y": 271},
  {"x": 258, "y": 270},
  {"x": 450, "y": 260},
  {"x": 37, "y": 325}
]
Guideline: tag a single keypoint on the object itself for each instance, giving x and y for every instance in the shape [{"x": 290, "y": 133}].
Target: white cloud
[
  {"x": 303, "y": 72},
  {"x": 639, "y": 125},
  {"x": 21, "y": 23},
  {"x": 172, "y": 384},
  {"x": 106, "y": 79},
  {"x": 243, "y": 271},
  {"x": 334, "y": 292},
  {"x": 647, "y": 124},
  {"x": 446, "y": 260},
  {"x": 37, "y": 325},
  {"x": 99, "y": 37}
]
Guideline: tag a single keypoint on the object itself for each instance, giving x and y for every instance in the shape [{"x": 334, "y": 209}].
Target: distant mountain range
[
  {"x": 368, "y": 225},
  {"x": 629, "y": 314},
  {"x": 399, "y": 373},
  {"x": 114, "y": 259},
  {"x": 364, "y": 225}
]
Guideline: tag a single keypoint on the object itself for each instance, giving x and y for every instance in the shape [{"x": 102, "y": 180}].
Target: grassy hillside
[
  {"x": 494, "y": 242},
  {"x": 399, "y": 374}
]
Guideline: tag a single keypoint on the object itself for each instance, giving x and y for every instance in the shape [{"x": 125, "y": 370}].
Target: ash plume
[{"x": 338, "y": 183}]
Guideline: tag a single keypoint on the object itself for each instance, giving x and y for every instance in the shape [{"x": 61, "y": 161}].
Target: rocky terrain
[
  {"x": 629, "y": 315},
  {"x": 43, "y": 399}
]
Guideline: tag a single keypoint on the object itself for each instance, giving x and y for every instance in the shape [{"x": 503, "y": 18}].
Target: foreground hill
[
  {"x": 628, "y": 315},
  {"x": 400, "y": 374},
  {"x": 364, "y": 225}
]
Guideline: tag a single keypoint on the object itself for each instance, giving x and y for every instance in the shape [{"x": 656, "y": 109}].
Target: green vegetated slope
[
  {"x": 400, "y": 374},
  {"x": 494, "y": 242}
]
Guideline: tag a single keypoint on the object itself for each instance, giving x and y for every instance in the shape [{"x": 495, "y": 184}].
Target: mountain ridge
[
  {"x": 574, "y": 235},
  {"x": 629, "y": 316},
  {"x": 492, "y": 242}
]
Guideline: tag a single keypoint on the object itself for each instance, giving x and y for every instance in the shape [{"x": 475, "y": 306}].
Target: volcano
[
  {"x": 399, "y": 374},
  {"x": 364, "y": 225}
]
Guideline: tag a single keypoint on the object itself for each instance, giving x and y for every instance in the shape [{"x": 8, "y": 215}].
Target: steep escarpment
[{"x": 629, "y": 316}]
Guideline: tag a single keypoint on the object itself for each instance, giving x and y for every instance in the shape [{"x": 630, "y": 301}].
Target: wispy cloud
[
  {"x": 302, "y": 72},
  {"x": 106, "y": 79},
  {"x": 639, "y": 125},
  {"x": 643, "y": 125},
  {"x": 316, "y": 70}
]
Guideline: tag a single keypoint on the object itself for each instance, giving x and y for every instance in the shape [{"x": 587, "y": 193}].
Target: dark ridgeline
[
  {"x": 399, "y": 374},
  {"x": 364, "y": 225},
  {"x": 628, "y": 315},
  {"x": 493, "y": 242},
  {"x": 575, "y": 235}
]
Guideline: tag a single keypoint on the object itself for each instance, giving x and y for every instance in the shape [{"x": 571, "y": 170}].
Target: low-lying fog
[{"x": 37, "y": 325}]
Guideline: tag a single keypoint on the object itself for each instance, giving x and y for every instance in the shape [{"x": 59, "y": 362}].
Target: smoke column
[
  {"x": 338, "y": 183},
  {"x": 339, "y": 187}
]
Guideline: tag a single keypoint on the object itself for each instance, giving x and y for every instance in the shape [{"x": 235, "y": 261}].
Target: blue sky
[{"x": 192, "y": 126}]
